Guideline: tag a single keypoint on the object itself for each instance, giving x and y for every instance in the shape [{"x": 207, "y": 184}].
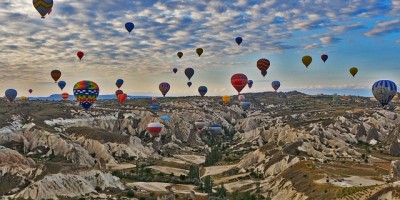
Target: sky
[{"x": 353, "y": 33}]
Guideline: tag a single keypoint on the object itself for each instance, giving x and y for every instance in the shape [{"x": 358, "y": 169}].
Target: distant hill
[{"x": 57, "y": 97}]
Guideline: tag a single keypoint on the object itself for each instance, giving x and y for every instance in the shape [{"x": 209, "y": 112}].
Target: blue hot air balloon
[
  {"x": 264, "y": 73},
  {"x": 11, "y": 94},
  {"x": 189, "y": 72},
  {"x": 215, "y": 129},
  {"x": 119, "y": 83},
  {"x": 154, "y": 107},
  {"x": 239, "y": 40},
  {"x": 276, "y": 85},
  {"x": 62, "y": 84},
  {"x": 250, "y": 84},
  {"x": 203, "y": 90},
  {"x": 189, "y": 84},
  {"x": 166, "y": 118},
  {"x": 129, "y": 26},
  {"x": 175, "y": 70},
  {"x": 384, "y": 91},
  {"x": 245, "y": 105}
]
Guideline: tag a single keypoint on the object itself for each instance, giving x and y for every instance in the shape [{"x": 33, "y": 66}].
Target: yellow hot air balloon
[
  {"x": 226, "y": 99},
  {"x": 353, "y": 71},
  {"x": 306, "y": 60}
]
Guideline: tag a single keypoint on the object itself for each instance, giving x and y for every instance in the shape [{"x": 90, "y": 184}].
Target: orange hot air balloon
[
  {"x": 65, "y": 96},
  {"x": 263, "y": 64},
  {"x": 122, "y": 98},
  {"x": 226, "y": 99},
  {"x": 55, "y": 74},
  {"x": 239, "y": 81}
]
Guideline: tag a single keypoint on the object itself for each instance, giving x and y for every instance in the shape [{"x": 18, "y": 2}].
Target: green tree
[
  {"x": 221, "y": 191},
  {"x": 208, "y": 185}
]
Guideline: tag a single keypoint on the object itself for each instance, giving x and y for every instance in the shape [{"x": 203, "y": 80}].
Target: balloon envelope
[
  {"x": 80, "y": 55},
  {"x": 239, "y": 40},
  {"x": 175, "y": 70},
  {"x": 239, "y": 81},
  {"x": 11, "y": 94},
  {"x": 202, "y": 90},
  {"x": 324, "y": 57},
  {"x": 189, "y": 83},
  {"x": 179, "y": 54},
  {"x": 119, "y": 83},
  {"x": 306, "y": 60},
  {"x": 264, "y": 73},
  {"x": 154, "y": 106},
  {"x": 30, "y": 91},
  {"x": 153, "y": 98},
  {"x": 86, "y": 93},
  {"x": 245, "y": 105},
  {"x": 129, "y": 26},
  {"x": 276, "y": 85},
  {"x": 64, "y": 96},
  {"x": 166, "y": 118},
  {"x": 62, "y": 84},
  {"x": 215, "y": 129},
  {"x": 122, "y": 98},
  {"x": 154, "y": 128},
  {"x": 241, "y": 97},
  {"x": 250, "y": 84},
  {"x": 118, "y": 92},
  {"x": 55, "y": 74},
  {"x": 189, "y": 72},
  {"x": 43, "y": 6},
  {"x": 384, "y": 91},
  {"x": 164, "y": 88},
  {"x": 199, "y": 51},
  {"x": 263, "y": 64},
  {"x": 199, "y": 124},
  {"x": 353, "y": 71},
  {"x": 226, "y": 99}
]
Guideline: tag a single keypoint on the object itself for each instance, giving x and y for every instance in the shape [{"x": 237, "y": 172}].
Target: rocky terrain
[{"x": 287, "y": 146}]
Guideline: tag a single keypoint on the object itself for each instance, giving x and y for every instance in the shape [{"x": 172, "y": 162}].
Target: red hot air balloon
[
  {"x": 80, "y": 55},
  {"x": 64, "y": 96},
  {"x": 239, "y": 81},
  {"x": 30, "y": 91},
  {"x": 154, "y": 128},
  {"x": 55, "y": 74},
  {"x": 118, "y": 92},
  {"x": 263, "y": 64},
  {"x": 153, "y": 99},
  {"x": 122, "y": 98}
]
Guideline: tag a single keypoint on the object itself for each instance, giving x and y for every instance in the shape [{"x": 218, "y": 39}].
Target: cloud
[
  {"x": 385, "y": 27},
  {"x": 311, "y": 46},
  {"x": 397, "y": 41},
  {"x": 329, "y": 39}
]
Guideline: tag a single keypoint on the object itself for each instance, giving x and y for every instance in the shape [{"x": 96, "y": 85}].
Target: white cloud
[{"x": 384, "y": 27}]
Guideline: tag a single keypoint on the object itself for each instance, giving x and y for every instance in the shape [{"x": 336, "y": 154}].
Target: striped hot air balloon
[
  {"x": 164, "y": 88},
  {"x": 86, "y": 93},
  {"x": 154, "y": 128},
  {"x": 65, "y": 96},
  {"x": 215, "y": 129},
  {"x": 263, "y": 64},
  {"x": 384, "y": 91},
  {"x": 239, "y": 81},
  {"x": 44, "y": 7},
  {"x": 200, "y": 124}
]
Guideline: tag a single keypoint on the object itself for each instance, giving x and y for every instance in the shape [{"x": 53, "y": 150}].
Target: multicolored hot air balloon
[
  {"x": 215, "y": 129},
  {"x": 64, "y": 96},
  {"x": 264, "y": 73},
  {"x": 239, "y": 81},
  {"x": 166, "y": 118},
  {"x": 202, "y": 90},
  {"x": 324, "y": 57},
  {"x": 189, "y": 72},
  {"x": 55, "y": 74},
  {"x": 86, "y": 93},
  {"x": 276, "y": 85},
  {"x": 199, "y": 124},
  {"x": 239, "y": 40},
  {"x": 154, "y": 128},
  {"x": 175, "y": 70},
  {"x": 353, "y": 71},
  {"x": 11, "y": 94},
  {"x": 44, "y": 7},
  {"x": 80, "y": 55},
  {"x": 263, "y": 64},
  {"x": 250, "y": 84},
  {"x": 226, "y": 99},
  {"x": 129, "y": 26},
  {"x": 189, "y": 83},
  {"x": 306, "y": 60},
  {"x": 154, "y": 106},
  {"x": 62, "y": 84},
  {"x": 384, "y": 91},
  {"x": 199, "y": 51},
  {"x": 122, "y": 98},
  {"x": 30, "y": 91},
  {"x": 179, "y": 54},
  {"x": 245, "y": 105},
  {"x": 241, "y": 97},
  {"x": 118, "y": 92},
  {"x": 119, "y": 83},
  {"x": 164, "y": 88}
]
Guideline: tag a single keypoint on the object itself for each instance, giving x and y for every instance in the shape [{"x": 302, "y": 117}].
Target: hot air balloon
[
  {"x": 154, "y": 128},
  {"x": 30, "y": 91},
  {"x": 199, "y": 51},
  {"x": 62, "y": 84},
  {"x": 180, "y": 54},
  {"x": 166, "y": 118},
  {"x": 86, "y": 93},
  {"x": 189, "y": 72},
  {"x": 239, "y": 81},
  {"x": 263, "y": 64},
  {"x": 64, "y": 96},
  {"x": 245, "y": 105},
  {"x": 80, "y": 55},
  {"x": 306, "y": 60},
  {"x": 23, "y": 98},
  {"x": 199, "y": 124},
  {"x": 324, "y": 57},
  {"x": 250, "y": 84},
  {"x": 239, "y": 40},
  {"x": 175, "y": 70},
  {"x": 119, "y": 83},
  {"x": 55, "y": 74},
  {"x": 276, "y": 85},
  {"x": 118, "y": 92},
  {"x": 11, "y": 94},
  {"x": 264, "y": 73},
  {"x": 241, "y": 97},
  {"x": 384, "y": 91},
  {"x": 154, "y": 106},
  {"x": 189, "y": 83},
  {"x": 353, "y": 71},
  {"x": 122, "y": 98},
  {"x": 202, "y": 90},
  {"x": 43, "y": 6},
  {"x": 164, "y": 88},
  {"x": 153, "y": 99},
  {"x": 215, "y": 129},
  {"x": 226, "y": 99},
  {"x": 129, "y": 26}
]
